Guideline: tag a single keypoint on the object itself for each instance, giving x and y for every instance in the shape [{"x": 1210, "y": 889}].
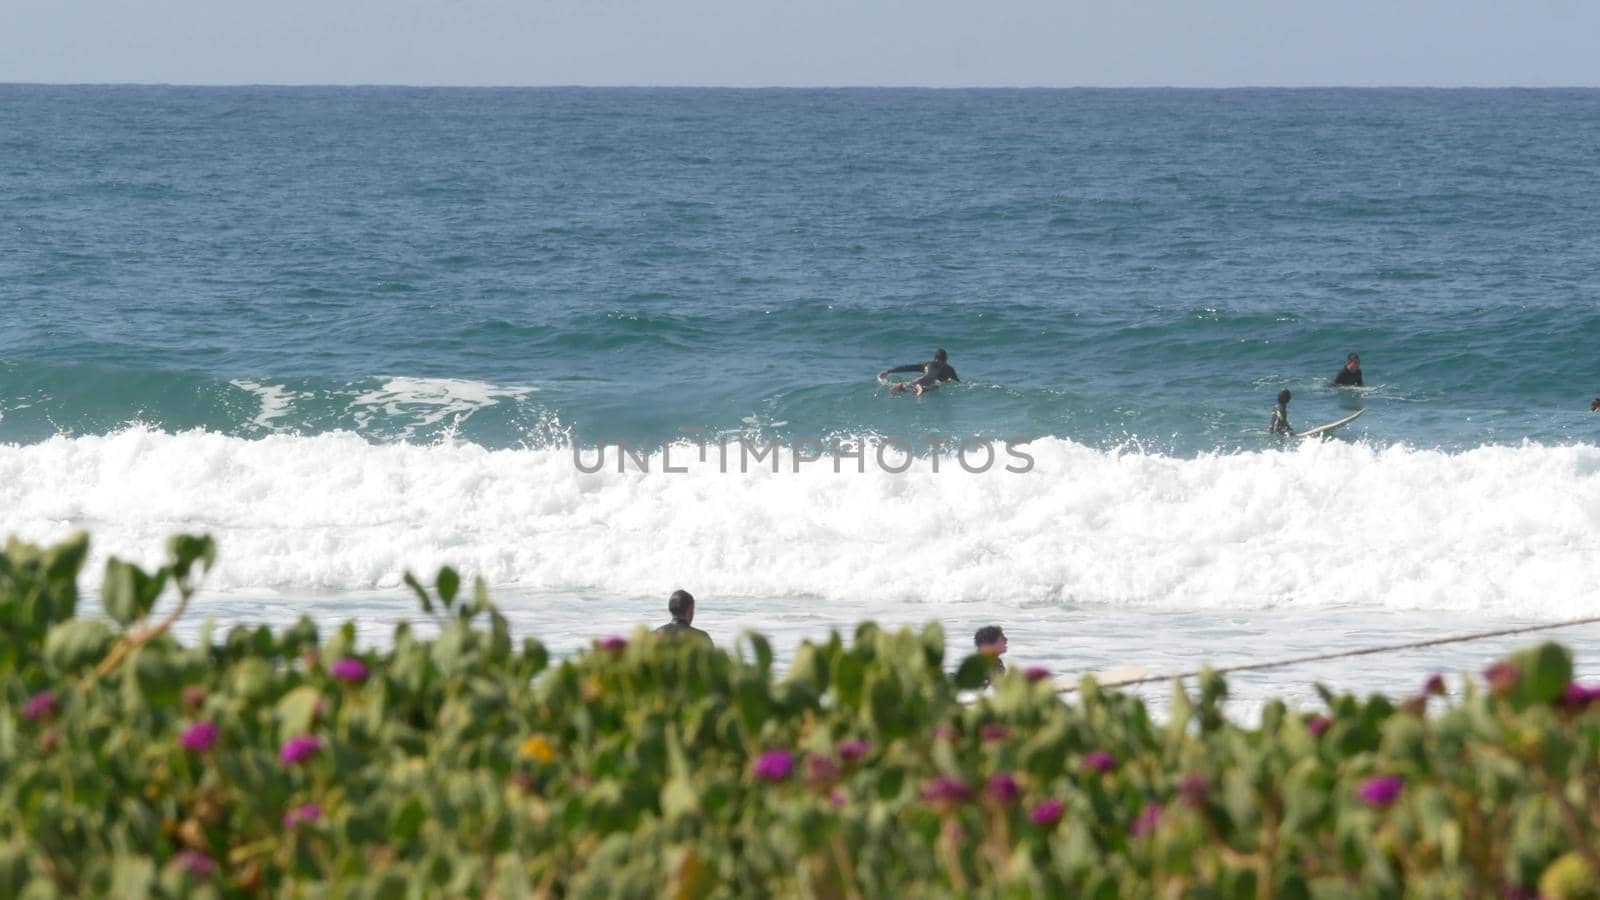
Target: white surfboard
[{"x": 1323, "y": 429}]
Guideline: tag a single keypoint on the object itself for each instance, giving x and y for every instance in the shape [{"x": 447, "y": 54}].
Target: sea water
[{"x": 355, "y": 331}]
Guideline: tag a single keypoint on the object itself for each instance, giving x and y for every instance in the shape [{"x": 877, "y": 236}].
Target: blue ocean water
[
  {"x": 1103, "y": 266},
  {"x": 352, "y": 331}
]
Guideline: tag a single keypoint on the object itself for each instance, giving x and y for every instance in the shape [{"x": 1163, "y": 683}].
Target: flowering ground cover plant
[{"x": 297, "y": 764}]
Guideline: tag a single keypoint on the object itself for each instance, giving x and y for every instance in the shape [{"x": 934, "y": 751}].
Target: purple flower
[
  {"x": 195, "y": 863},
  {"x": 304, "y": 814},
  {"x": 1035, "y": 673},
  {"x": 1047, "y": 814},
  {"x": 297, "y": 750},
  {"x": 349, "y": 670},
  {"x": 837, "y": 800},
  {"x": 852, "y": 751},
  {"x": 1380, "y": 792},
  {"x": 1099, "y": 761},
  {"x": 1149, "y": 818},
  {"x": 1502, "y": 678},
  {"x": 821, "y": 771},
  {"x": 946, "y": 792},
  {"x": 1317, "y": 725},
  {"x": 990, "y": 732},
  {"x": 613, "y": 645},
  {"x": 1577, "y": 696},
  {"x": 1193, "y": 789},
  {"x": 1002, "y": 788},
  {"x": 1434, "y": 686},
  {"x": 40, "y": 707},
  {"x": 199, "y": 737},
  {"x": 774, "y": 765}
]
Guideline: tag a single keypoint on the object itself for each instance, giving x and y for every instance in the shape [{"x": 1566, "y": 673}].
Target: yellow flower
[{"x": 538, "y": 748}]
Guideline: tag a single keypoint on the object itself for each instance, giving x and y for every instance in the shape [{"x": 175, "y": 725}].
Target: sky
[{"x": 799, "y": 43}]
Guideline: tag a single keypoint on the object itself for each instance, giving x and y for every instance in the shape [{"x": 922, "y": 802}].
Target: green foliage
[{"x": 298, "y": 764}]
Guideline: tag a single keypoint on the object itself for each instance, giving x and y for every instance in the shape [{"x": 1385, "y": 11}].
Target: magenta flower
[
  {"x": 40, "y": 707},
  {"x": 304, "y": 814},
  {"x": 991, "y": 732},
  {"x": 297, "y": 750},
  {"x": 837, "y": 800},
  {"x": 199, "y": 737},
  {"x": 852, "y": 751},
  {"x": 1149, "y": 818},
  {"x": 1434, "y": 686},
  {"x": 1047, "y": 814},
  {"x": 821, "y": 771},
  {"x": 946, "y": 792},
  {"x": 613, "y": 645},
  {"x": 1577, "y": 696},
  {"x": 349, "y": 670},
  {"x": 1193, "y": 790},
  {"x": 196, "y": 864},
  {"x": 1317, "y": 725},
  {"x": 1502, "y": 678},
  {"x": 774, "y": 765},
  {"x": 1380, "y": 792},
  {"x": 1035, "y": 673},
  {"x": 1099, "y": 761},
  {"x": 1002, "y": 788}
]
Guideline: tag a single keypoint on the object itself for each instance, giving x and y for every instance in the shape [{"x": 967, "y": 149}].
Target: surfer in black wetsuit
[
  {"x": 681, "y": 606},
  {"x": 942, "y": 370},
  {"x": 1595, "y": 406},
  {"x": 1280, "y": 415},
  {"x": 1350, "y": 375}
]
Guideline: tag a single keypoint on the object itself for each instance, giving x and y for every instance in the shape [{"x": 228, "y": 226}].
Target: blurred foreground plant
[{"x": 298, "y": 764}]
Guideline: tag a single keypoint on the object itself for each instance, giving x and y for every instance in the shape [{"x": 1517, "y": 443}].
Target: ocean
[{"x": 535, "y": 334}]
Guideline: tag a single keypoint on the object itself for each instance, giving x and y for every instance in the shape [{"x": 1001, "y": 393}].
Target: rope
[{"x": 1365, "y": 651}]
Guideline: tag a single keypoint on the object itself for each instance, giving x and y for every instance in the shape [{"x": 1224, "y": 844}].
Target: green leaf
[
  {"x": 448, "y": 582},
  {"x": 421, "y": 592},
  {"x": 77, "y": 644},
  {"x": 1546, "y": 672},
  {"x": 973, "y": 674},
  {"x": 407, "y": 821}
]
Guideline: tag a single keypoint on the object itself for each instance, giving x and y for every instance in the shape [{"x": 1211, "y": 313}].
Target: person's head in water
[
  {"x": 681, "y": 605},
  {"x": 1352, "y": 362},
  {"x": 1595, "y": 406},
  {"x": 1283, "y": 397},
  {"x": 940, "y": 356},
  {"x": 991, "y": 640}
]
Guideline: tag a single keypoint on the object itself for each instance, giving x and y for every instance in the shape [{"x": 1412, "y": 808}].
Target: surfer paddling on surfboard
[
  {"x": 941, "y": 370},
  {"x": 927, "y": 381},
  {"x": 1280, "y": 415}
]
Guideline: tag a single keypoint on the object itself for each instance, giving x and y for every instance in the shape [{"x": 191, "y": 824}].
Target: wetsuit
[
  {"x": 941, "y": 371},
  {"x": 1280, "y": 420},
  {"x": 1346, "y": 378},
  {"x": 680, "y": 628}
]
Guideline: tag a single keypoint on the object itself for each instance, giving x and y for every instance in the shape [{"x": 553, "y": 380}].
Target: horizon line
[{"x": 815, "y": 87}]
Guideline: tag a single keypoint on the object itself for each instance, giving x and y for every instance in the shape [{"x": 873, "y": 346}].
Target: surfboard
[{"x": 1323, "y": 429}]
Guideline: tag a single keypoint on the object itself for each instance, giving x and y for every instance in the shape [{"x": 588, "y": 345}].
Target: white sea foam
[
  {"x": 276, "y": 401},
  {"x": 1491, "y": 532},
  {"x": 427, "y": 401}
]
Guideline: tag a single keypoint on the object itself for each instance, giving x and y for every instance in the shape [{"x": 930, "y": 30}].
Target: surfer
[
  {"x": 1350, "y": 375},
  {"x": 927, "y": 381},
  {"x": 942, "y": 370},
  {"x": 991, "y": 642},
  {"x": 681, "y": 606},
  {"x": 1280, "y": 415},
  {"x": 1595, "y": 406}
]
